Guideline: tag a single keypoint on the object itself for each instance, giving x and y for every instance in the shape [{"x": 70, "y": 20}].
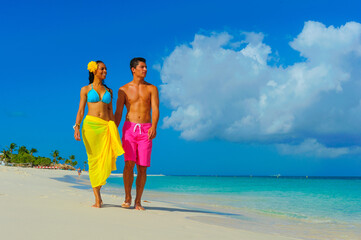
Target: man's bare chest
[{"x": 138, "y": 97}]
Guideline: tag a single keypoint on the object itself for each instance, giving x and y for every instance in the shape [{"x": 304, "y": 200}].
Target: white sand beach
[{"x": 35, "y": 206}]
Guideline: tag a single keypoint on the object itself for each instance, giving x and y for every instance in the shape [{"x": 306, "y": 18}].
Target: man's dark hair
[{"x": 135, "y": 61}]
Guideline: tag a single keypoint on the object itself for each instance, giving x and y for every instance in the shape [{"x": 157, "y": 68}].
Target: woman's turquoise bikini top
[{"x": 93, "y": 96}]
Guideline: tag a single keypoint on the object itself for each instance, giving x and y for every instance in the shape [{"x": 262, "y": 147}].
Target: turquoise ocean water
[
  {"x": 328, "y": 208},
  {"x": 315, "y": 199}
]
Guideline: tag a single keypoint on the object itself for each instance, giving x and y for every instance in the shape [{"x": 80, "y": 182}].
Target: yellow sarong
[{"x": 103, "y": 146}]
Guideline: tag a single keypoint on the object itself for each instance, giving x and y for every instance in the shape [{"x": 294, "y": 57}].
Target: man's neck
[{"x": 138, "y": 80}]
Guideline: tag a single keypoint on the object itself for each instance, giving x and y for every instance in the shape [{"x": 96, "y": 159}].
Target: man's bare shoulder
[
  {"x": 150, "y": 86},
  {"x": 125, "y": 87},
  {"x": 147, "y": 83}
]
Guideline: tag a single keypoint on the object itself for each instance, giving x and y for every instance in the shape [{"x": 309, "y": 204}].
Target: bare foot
[
  {"x": 97, "y": 205},
  {"x": 126, "y": 204},
  {"x": 137, "y": 206}
]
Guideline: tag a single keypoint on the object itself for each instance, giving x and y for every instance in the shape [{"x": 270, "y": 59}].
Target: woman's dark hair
[
  {"x": 91, "y": 78},
  {"x": 135, "y": 61}
]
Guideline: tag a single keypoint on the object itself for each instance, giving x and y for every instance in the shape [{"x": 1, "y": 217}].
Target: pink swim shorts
[{"x": 136, "y": 143}]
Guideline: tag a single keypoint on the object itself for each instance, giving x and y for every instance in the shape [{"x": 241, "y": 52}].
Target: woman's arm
[
  {"x": 110, "y": 108},
  {"x": 80, "y": 114}
]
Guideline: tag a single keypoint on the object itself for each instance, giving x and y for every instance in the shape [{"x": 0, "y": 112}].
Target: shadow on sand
[
  {"x": 80, "y": 182},
  {"x": 83, "y": 183},
  {"x": 169, "y": 209}
]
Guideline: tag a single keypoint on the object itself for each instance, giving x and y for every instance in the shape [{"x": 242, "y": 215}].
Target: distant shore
[{"x": 34, "y": 205}]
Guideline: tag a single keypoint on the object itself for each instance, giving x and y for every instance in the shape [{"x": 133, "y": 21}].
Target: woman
[{"x": 100, "y": 134}]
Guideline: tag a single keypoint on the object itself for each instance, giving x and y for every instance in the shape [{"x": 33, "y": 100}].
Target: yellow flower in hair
[{"x": 92, "y": 66}]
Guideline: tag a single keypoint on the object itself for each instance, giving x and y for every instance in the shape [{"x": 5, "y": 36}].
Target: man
[{"x": 140, "y": 127}]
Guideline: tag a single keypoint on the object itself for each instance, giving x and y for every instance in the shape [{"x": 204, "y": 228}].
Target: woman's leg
[
  {"x": 101, "y": 200},
  {"x": 98, "y": 198}
]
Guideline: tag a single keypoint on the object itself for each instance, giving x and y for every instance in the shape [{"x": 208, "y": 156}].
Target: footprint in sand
[
  {"x": 43, "y": 196},
  {"x": 3, "y": 195}
]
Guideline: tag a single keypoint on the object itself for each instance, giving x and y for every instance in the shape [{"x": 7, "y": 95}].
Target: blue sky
[{"x": 247, "y": 88}]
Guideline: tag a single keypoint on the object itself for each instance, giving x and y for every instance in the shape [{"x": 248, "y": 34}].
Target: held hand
[
  {"x": 152, "y": 132},
  {"x": 77, "y": 134}
]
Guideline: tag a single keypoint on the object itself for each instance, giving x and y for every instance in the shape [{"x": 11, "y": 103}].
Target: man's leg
[
  {"x": 140, "y": 183},
  {"x": 128, "y": 177}
]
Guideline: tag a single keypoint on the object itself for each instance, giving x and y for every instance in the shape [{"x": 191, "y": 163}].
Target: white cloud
[
  {"x": 312, "y": 148},
  {"x": 218, "y": 90},
  {"x": 157, "y": 67}
]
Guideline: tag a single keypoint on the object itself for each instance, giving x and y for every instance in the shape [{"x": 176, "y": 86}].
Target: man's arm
[
  {"x": 154, "y": 101},
  {"x": 119, "y": 107}
]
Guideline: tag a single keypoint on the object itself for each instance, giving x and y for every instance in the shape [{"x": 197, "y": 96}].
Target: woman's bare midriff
[{"x": 99, "y": 110}]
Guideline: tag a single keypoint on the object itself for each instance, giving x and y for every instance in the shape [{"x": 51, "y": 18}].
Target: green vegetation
[
  {"x": 24, "y": 157},
  {"x": 55, "y": 155}
]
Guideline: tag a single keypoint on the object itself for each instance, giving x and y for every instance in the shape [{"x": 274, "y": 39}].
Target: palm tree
[
  {"x": 5, "y": 156},
  {"x": 74, "y": 163},
  {"x": 60, "y": 159},
  {"x": 85, "y": 162},
  {"x": 55, "y": 154},
  {"x": 12, "y": 147},
  {"x": 23, "y": 149},
  {"x": 33, "y": 150},
  {"x": 71, "y": 159}
]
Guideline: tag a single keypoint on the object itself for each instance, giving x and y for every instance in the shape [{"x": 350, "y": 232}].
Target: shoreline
[
  {"x": 287, "y": 224},
  {"x": 42, "y": 208}
]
